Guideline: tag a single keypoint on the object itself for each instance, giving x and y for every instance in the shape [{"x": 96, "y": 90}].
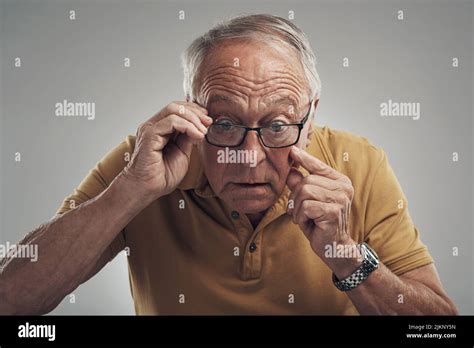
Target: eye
[
  {"x": 277, "y": 126},
  {"x": 224, "y": 125}
]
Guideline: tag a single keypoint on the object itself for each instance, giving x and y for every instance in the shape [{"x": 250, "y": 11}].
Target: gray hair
[{"x": 260, "y": 27}]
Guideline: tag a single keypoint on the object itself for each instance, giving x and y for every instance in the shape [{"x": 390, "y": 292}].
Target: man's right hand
[{"x": 163, "y": 148}]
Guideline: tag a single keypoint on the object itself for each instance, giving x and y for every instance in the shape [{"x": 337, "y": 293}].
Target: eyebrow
[
  {"x": 219, "y": 97},
  {"x": 285, "y": 100}
]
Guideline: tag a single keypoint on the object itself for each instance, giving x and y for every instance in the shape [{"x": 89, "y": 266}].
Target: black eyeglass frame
[{"x": 259, "y": 129}]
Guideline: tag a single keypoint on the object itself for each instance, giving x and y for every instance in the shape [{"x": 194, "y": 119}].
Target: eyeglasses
[{"x": 277, "y": 135}]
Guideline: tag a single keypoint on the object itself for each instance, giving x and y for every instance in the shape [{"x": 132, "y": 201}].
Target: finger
[
  {"x": 321, "y": 181},
  {"x": 198, "y": 107},
  {"x": 200, "y": 112},
  {"x": 324, "y": 182},
  {"x": 318, "y": 211},
  {"x": 175, "y": 123},
  {"x": 348, "y": 214},
  {"x": 342, "y": 222},
  {"x": 299, "y": 216},
  {"x": 147, "y": 133},
  {"x": 179, "y": 108},
  {"x": 314, "y": 165},
  {"x": 294, "y": 178},
  {"x": 201, "y": 107},
  {"x": 304, "y": 223},
  {"x": 312, "y": 212},
  {"x": 320, "y": 194},
  {"x": 190, "y": 114}
]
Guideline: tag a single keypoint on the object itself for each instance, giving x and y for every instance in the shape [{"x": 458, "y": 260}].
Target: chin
[{"x": 251, "y": 206}]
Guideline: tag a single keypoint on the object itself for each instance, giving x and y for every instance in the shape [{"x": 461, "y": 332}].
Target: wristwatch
[{"x": 370, "y": 264}]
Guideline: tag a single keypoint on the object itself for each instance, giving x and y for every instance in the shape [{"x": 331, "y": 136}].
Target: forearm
[
  {"x": 385, "y": 293},
  {"x": 68, "y": 248}
]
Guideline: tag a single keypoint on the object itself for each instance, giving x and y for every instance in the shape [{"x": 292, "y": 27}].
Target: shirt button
[
  {"x": 253, "y": 247},
  {"x": 235, "y": 215}
]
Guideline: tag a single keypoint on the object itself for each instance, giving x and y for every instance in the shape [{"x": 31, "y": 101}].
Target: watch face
[
  {"x": 367, "y": 248},
  {"x": 370, "y": 255},
  {"x": 374, "y": 257}
]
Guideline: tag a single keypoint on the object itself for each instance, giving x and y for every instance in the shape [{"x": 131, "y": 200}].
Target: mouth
[
  {"x": 250, "y": 184},
  {"x": 251, "y": 188}
]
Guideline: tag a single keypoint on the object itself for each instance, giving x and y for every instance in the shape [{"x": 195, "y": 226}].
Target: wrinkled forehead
[{"x": 252, "y": 71}]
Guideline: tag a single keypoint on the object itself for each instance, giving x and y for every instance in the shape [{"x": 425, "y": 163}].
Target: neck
[{"x": 255, "y": 218}]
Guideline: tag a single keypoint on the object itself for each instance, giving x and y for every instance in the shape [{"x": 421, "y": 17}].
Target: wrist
[
  {"x": 130, "y": 194},
  {"x": 344, "y": 258}
]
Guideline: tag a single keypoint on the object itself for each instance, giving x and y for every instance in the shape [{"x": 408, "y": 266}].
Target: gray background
[{"x": 82, "y": 60}]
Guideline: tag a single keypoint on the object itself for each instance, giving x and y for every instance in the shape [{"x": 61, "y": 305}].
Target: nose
[{"x": 255, "y": 147}]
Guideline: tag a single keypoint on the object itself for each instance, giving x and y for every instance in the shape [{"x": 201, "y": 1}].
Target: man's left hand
[{"x": 321, "y": 202}]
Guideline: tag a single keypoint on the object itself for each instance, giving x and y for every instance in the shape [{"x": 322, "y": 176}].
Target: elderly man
[{"x": 317, "y": 225}]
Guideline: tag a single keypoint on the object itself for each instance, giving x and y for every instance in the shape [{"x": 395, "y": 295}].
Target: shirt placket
[
  {"x": 251, "y": 267},
  {"x": 252, "y": 261}
]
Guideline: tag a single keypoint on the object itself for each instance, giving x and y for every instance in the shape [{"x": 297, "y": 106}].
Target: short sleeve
[
  {"x": 389, "y": 228},
  {"x": 97, "y": 180}
]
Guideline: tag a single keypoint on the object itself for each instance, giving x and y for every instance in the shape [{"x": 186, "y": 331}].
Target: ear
[
  {"x": 315, "y": 102},
  {"x": 310, "y": 134},
  {"x": 311, "y": 129}
]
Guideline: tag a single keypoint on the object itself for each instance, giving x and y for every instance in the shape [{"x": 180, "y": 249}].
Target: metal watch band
[{"x": 369, "y": 264}]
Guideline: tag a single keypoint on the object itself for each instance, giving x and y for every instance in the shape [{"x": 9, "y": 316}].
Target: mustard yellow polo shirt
[{"x": 185, "y": 255}]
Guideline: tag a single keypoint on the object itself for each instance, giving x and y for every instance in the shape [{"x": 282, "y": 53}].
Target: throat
[{"x": 255, "y": 218}]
